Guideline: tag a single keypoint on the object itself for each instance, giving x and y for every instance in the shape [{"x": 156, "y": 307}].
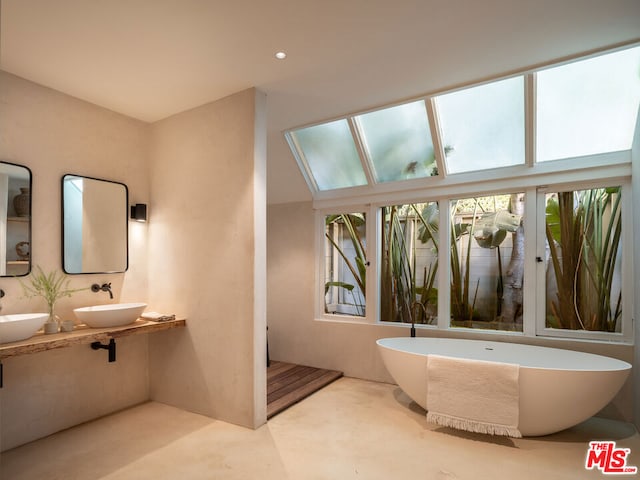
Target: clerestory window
[{"x": 496, "y": 207}]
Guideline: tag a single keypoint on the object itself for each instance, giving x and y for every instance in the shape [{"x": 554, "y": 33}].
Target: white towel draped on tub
[{"x": 473, "y": 395}]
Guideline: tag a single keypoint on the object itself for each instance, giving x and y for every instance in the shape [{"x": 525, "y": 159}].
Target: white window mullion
[
  {"x": 530, "y": 119},
  {"x": 372, "y": 248},
  {"x": 627, "y": 252},
  {"x": 531, "y": 284},
  {"x": 298, "y": 154},
  {"x": 320, "y": 264},
  {"x": 362, "y": 149},
  {"x": 540, "y": 267},
  {"x": 436, "y": 136},
  {"x": 444, "y": 265}
]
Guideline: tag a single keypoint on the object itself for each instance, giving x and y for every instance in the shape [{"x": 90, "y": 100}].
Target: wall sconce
[{"x": 139, "y": 212}]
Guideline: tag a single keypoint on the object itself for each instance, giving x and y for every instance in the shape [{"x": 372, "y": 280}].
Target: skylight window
[
  {"x": 583, "y": 108},
  {"x": 588, "y": 107},
  {"x": 483, "y": 127},
  {"x": 398, "y": 142},
  {"x": 331, "y": 155}
]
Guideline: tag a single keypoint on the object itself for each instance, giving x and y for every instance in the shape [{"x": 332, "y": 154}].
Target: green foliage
[
  {"x": 400, "y": 290},
  {"x": 357, "y": 265},
  {"x": 583, "y": 231},
  {"x": 51, "y": 286},
  {"x": 462, "y": 306}
]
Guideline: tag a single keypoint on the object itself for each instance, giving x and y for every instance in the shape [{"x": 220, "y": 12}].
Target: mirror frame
[
  {"x": 126, "y": 220},
  {"x": 30, "y": 226}
]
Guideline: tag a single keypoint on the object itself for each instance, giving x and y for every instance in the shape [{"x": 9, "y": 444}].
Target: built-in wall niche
[
  {"x": 94, "y": 225},
  {"x": 15, "y": 220}
]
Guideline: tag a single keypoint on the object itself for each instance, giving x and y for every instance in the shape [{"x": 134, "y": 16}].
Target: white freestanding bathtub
[{"x": 558, "y": 388}]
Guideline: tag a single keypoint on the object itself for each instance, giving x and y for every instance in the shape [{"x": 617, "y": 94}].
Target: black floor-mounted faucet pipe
[{"x": 111, "y": 347}]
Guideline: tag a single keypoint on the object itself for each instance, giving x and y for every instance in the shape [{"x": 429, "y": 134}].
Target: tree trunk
[{"x": 512, "y": 306}]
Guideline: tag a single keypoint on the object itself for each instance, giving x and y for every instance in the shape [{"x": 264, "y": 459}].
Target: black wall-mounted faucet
[{"x": 106, "y": 287}]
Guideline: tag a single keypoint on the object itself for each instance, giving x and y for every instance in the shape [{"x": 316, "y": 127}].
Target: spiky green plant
[
  {"x": 583, "y": 230},
  {"x": 356, "y": 265},
  {"x": 51, "y": 286},
  {"x": 400, "y": 288},
  {"x": 462, "y": 306}
]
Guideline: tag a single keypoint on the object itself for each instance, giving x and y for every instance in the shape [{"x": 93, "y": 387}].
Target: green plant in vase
[{"x": 52, "y": 287}]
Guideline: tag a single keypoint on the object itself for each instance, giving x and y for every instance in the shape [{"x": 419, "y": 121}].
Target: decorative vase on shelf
[
  {"x": 51, "y": 325},
  {"x": 66, "y": 326},
  {"x": 22, "y": 202}
]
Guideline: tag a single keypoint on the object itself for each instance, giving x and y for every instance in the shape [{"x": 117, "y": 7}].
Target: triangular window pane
[
  {"x": 331, "y": 155},
  {"x": 483, "y": 127},
  {"x": 398, "y": 142},
  {"x": 588, "y": 107}
]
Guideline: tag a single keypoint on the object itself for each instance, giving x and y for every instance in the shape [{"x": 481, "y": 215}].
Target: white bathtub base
[{"x": 558, "y": 388}]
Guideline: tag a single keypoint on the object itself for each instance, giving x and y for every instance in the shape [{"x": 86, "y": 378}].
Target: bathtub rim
[{"x": 622, "y": 364}]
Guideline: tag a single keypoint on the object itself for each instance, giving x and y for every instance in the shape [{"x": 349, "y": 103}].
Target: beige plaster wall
[
  {"x": 295, "y": 336},
  {"x": 53, "y": 134},
  {"x": 635, "y": 172},
  {"x": 207, "y": 178}
]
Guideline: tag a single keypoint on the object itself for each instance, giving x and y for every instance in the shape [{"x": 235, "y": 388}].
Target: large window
[
  {"x": 330, "y": 154},
  {"x": 398, "y": 142},
  {"x": 495, "y": 207},
  {"x": 584, "y": 278},
  {"x": 345, "y": 264},
  {"x": 577, "y": 109},
  {"x": 487, "y": 262},
  {"x": 409, "y": 263},
  {"x": 483, "y": 127},
  {"x": 588, "y": 107},
  {"x": 490, "y": 262}
]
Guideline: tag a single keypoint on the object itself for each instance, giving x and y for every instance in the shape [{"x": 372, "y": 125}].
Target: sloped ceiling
[{"x": 150, "y": 59}]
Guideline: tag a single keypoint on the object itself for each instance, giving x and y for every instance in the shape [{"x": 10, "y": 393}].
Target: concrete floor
[{"x": 352, "y": 429}]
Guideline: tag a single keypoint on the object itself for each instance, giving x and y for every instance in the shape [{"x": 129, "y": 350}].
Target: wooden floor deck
[{"x": 288, "y": 384}]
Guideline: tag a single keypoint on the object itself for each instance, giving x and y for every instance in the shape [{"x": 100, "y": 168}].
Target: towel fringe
[{"x": 473, "y": 425}]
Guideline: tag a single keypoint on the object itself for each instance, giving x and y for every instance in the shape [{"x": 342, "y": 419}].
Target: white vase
[
  {"x": 50, "y": 327},
  {"x": 66, "y": 326}
]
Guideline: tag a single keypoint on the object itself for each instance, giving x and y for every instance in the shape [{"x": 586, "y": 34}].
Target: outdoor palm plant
[
  {"x": 400, "y": 287},
  {"x": 357, "y": 264},
  {"x": 408, "y": 283},
  {"x": 583, "y": 232}
]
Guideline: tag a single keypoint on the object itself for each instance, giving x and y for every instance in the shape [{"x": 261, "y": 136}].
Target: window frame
[
  {"x": 626, "y": 251},
  {"x": 533, "y": 178},
  {"x": 530, "y": 99},
  {"x": 534, "y": 299},
  {"x": 320, "y": 245}
]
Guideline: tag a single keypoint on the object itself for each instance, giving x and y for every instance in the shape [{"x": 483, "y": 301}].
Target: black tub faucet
[
  {"x": 106, "y": 287},
  {"x": 412, "y": 310}
]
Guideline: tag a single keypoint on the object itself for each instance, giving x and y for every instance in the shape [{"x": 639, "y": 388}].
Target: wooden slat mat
[{"x": 288, "y": 384}]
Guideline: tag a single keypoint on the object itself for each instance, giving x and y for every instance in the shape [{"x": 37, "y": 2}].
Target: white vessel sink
[
  {"x": 20, "y": 326},
  {"x": 113, "y": 315}
]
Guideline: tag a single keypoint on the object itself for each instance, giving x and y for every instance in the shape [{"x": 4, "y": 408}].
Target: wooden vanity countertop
[{"x": 82, "y": 334}]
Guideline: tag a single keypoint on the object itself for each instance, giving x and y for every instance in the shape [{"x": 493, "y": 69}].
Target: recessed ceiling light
[{"x": 281, "y": 55}]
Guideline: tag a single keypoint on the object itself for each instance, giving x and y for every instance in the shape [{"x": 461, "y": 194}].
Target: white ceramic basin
[
  {"x": 20, "y": 326},
  {"x": 113, "y": 315}
]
